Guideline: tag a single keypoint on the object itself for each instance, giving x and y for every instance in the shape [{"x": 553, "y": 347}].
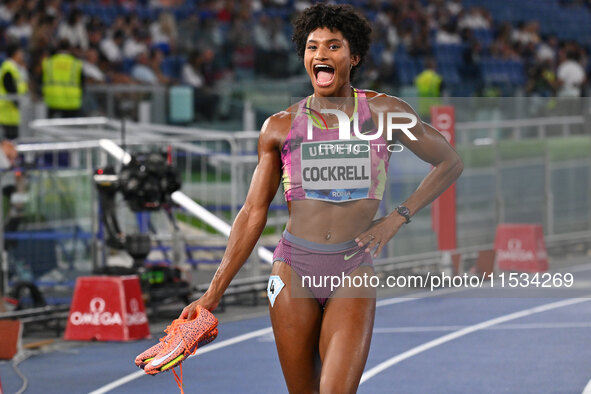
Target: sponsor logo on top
[
  {"x": 515, "y": 251},
  {"x": 136, "y": 317},
  {"x": 97, "y": 315}
]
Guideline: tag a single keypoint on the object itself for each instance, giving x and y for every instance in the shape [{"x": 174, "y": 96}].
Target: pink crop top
[{"x": 327, "y": 168}]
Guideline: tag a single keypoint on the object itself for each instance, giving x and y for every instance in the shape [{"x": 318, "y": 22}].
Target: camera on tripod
[{"x": 146, "y": 183}]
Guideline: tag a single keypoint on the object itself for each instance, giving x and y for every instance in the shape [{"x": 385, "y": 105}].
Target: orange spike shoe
[
  {"x": 183, "y": 340},
  {"x": 143, "y": 358}
]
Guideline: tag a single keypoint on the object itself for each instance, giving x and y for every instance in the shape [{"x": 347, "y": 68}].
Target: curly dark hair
[{"x": 342, "y": 17}]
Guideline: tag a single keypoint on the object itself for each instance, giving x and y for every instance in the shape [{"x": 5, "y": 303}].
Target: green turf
[
  {"x": 578, "y": 147},
  {"x": 477, "y": 156},
  {"x": 558, "y": 149}
]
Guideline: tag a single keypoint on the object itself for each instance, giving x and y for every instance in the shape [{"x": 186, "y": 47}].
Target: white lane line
[
  {"x": 465, "y": 331},
  {"x": 419, "y": 295},
  {"x": 576, "y": 268},
  {"x": 587, "y": 389},
  {"x": 525, "y": 326},
  {"x": 209, "y": 348},
  {"x": 261, "y": 332},
  {"x": 267, "y": 330}
]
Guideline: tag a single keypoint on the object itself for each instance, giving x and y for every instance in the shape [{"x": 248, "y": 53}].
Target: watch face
[{"x": 403, "y": 211}]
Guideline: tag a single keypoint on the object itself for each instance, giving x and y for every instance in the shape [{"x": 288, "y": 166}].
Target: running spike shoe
[
  {"x": 183, "y": 340},
  {"x": 143, "y": 358}
]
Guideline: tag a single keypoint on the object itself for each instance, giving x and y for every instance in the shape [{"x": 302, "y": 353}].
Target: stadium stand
[{"x": 488, "y": 44}]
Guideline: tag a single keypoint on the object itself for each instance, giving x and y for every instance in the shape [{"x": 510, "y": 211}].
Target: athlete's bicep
[
  {"x": 425, "y": 141},
  {"x": 267, "y": 174}
]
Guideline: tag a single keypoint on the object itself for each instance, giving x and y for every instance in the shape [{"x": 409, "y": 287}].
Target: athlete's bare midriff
[
  {"x": 325, "y": 222},
  {"x": 321, "y": 221}
]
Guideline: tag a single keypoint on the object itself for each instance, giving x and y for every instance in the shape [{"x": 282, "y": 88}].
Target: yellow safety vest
[
  {"x": 62, "y": 82},
  {"x": 428, "y": 85},
  {"x": 9, "y": 112}
]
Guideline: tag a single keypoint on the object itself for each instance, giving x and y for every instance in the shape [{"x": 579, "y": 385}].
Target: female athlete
[{"x": 333, "y": 187}]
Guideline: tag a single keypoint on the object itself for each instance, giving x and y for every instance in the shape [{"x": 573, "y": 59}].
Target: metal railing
[{"x": 217, "y": 166}]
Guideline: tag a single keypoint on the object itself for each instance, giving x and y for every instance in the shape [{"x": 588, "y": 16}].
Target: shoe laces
[
  {"x": 179, "y": 380},
  {"x": 172, "y": 329}
]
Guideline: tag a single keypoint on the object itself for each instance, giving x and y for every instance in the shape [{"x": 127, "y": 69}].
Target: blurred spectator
[
  {"x": 63, "y": 83},
  {"x": 570, "y": 74},
  {"x": 547, "y": 50},
  {"x": 8, "y": 8},
  {"x": 251, "y": 46},
  {"x": 147, "y": 68},
  {"x": 141, "y": 70},
  {"x": 90, "y": 68},
  {"x": 210, "y": 34},
  {"x": 187, "y": 41},
  {"x": 272, "y": 46},
  {"x": 224, "y": 15},
  {"x": 420, "y": 44},
  {"x": 120, "y": 23},
  {"x": 198, "y": 73},
  {"x": 502, "y": 47},
  {"x": 455, "y": 7},
  {"x": 191, "y": 72},
  {"x": 541, "y": 80},
  {"x": 242, "y": 46},
  {"x": 20, "y": 29},
  {"x": 111, "y": 47},
  {"x": 132, "y": 23},
  {"x": 97, "y": 69},
  {"x": 95, "y": 30},
  {"x": 74, "y": 30},
  {"x": 448, "y": 34},
  {"x": 429, "y": 85},
  {"x": 262, "y": 33},
  {"x": 472, "y": 55},
  {"x": 391, "y": 35},
  {"x": 475, "y": 18},
  {"x": 164, "y": 32},
  {"x": 13, "y": 81},
  {"x": 526, "y": 33},
  {"x": 52, "y": 7},
  {"x": 156, "y": 58},
  {"x": 136, "y": 44},
  {"x": 39, "y": 45}
]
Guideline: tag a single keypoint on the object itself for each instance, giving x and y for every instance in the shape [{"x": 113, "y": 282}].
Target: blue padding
[{"x": 52, "y": 235}]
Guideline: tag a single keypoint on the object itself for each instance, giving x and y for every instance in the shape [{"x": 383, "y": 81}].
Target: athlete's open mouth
[{"x": 324, "y": 74}]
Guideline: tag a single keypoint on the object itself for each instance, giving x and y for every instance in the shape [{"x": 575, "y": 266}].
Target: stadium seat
[
  {"x": 484, "y": 36},
  {"x": 408, "y": 68},
  {"x": 127, "y": 65}
]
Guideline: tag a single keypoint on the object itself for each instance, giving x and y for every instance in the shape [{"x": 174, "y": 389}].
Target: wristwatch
[{"x": 404, "y": 212}]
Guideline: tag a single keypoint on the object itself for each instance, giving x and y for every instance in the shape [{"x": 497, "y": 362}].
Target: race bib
[{"x": 336, "y": 170}]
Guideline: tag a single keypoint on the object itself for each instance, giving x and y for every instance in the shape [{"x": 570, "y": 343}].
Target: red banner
[
  {"x": 443, "y": 209},
  {"x": 107, "y": 308},
  {"x": 521, "y": 247},
  {"x": 10, "y": 335}
]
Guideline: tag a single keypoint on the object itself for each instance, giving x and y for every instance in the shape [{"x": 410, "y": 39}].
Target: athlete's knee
[
  {"x": 338, "y": 384},
  {"x": 305, "y": 387}
]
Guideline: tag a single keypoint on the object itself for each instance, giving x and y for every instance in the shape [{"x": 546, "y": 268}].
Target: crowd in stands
[{"x": 199, "y": 42}]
